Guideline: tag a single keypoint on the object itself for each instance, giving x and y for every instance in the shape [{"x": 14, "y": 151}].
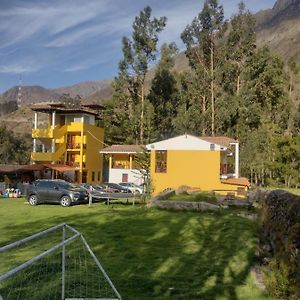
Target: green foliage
[
  {"x": 138, "y": 53},
  {"x": 14, "y": 149},
  {"x": 163, "y": 94},
  {"x": 195, "y": 197}
]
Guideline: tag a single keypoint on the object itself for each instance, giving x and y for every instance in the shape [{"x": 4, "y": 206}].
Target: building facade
[
  {"x": 206, "y": 163},
  {"x": 122, "y": 165},
  {"x": 71, "y": 141}
]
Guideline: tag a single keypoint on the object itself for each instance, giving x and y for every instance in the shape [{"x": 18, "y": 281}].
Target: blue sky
[{"x": 56, "y": 43}]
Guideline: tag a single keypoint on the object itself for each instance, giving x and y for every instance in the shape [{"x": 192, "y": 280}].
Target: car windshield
[{"x": 67, "y": 185}]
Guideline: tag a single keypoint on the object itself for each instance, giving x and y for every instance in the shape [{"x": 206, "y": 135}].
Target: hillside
[
  {"x": 87, "y": 88},
  {"x": 279, "y": 29},
  {"x": 34, "y": 94}
]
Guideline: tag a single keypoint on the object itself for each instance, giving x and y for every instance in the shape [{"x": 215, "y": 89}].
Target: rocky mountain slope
[{"x": 34, "y": 94}]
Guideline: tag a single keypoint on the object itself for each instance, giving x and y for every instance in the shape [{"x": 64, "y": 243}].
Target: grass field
[{"x": 153, "y": 254}]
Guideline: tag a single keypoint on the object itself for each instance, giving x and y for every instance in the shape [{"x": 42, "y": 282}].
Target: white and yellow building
[
  {"x": 122, "y": 166},
  {"x": 70, "y": 142},
  {"x": 206, "y": 163}
]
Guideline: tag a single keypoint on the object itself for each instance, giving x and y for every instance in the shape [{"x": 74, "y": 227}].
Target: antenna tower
[{"x": 19, "y": 99}]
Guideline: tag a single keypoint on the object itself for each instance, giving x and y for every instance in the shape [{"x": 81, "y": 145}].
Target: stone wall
[{"x": 280, "y": 236}]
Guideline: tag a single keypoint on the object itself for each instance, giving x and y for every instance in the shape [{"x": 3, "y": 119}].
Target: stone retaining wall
[{"x": 280, "y": 235}]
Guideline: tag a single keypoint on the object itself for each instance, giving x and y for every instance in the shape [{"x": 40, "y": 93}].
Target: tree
[
  {"x": 163, "y": 94},
  {"x": 14, "y": 149},
  {"x": 138, "y": 53},
  {"x": 293, "y": 71},
  {"x": 201, "y": 39}
]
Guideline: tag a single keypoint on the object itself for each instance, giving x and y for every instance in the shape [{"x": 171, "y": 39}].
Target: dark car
[
  {"x": 118, "y": 188},
  {"x": 55, "y": 191}
]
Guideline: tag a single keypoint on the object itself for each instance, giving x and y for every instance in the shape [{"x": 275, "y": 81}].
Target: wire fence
[{"x": 56, "y": 263}]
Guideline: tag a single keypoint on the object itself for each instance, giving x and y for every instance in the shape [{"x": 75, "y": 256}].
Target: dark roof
[
  {"x": 219, "y": 140},
  {"x": 123, "y": 149},
  {"x": 46, "y": 107},
  {"x": 20, "y": 168},
  {"x": 35, "y": 167}
]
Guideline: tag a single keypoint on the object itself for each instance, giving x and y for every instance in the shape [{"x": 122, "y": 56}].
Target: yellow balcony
[
  {"x": 42, "y": 133},
  {"x": 41, "y": 156},
  {"x": 50, "y": 133},
  {"x": 48, "y": 156}
]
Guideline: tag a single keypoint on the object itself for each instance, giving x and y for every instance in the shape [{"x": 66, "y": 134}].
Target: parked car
[
  {"x": 134, "y": 188},
  {"x": 55, "y": 191},
  {"x": 95, "y": 190},
  {"x": 117, "y": 187},
  {"x": 106, "y": 188}
]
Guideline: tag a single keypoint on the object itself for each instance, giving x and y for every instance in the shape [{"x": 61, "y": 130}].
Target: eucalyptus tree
[
  {"x": 139, "y": 53},
  {"x": 293, "y": 72},
  {"x": 201, "y": 39},
  {"x": 163, "y": 93}
]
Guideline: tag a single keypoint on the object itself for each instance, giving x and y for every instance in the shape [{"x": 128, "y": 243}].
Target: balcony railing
[{"x": 75, "y": 146}]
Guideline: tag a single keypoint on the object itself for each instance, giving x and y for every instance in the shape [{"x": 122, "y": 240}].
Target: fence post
[{"x": 63, "y": 265}]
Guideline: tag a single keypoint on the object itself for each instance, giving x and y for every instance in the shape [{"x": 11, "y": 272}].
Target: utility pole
[{"x": 19, "y": 97}]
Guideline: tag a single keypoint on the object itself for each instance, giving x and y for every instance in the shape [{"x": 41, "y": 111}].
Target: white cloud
[
  {"x": 18, "y": 68},
  {"x": 22, "y": 22}
]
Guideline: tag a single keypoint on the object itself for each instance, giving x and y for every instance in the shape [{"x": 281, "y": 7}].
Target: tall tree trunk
[
  {"x": 238, "y": 85},
  {"x": 212, "y": 87},
  {"x": 290, "y": 85},
  {"x": 203, "y": 111},
  {"x": 142, "y": 115}
]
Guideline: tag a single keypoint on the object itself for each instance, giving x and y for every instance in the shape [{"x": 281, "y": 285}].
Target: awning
[
  {"x": 237, "y": 181},
  {"x": 20, "y": 168}
]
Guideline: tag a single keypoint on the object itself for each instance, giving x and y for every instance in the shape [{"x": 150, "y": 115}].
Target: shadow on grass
[{"x": 152, "y": 254}]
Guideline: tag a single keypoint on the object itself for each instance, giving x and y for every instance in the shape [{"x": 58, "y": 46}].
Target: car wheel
[
  {"x": 137, "y": 192},
  {"x": 33, "y": 200},
  {"x": 65, "y": 201}
]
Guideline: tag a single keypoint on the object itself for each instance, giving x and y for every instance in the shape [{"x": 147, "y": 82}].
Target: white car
[{"x": 134, "y": 188}]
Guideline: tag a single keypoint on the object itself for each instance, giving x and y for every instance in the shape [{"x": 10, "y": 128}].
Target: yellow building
[
  {"x": 207, "y": 163},
  {"x": 70, "y": 142}
]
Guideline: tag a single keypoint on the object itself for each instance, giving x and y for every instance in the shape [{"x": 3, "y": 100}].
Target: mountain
[
  {"x": 34, "y": 94},
  {"x": 30, "y": 94},
  {"x": 279, "y": 28},
  {"x": 87, "y": 88}
]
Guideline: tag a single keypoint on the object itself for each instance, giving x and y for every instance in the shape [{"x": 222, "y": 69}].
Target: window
[
  {"x": 99, "y": 176},
  {"x": 93, "y": 176},
  {"x": 124, "y": 177},
  {"x": 160, "y": 161},
  {"x": 46, "y": 184},
  {"x": 212, "y": 147}
]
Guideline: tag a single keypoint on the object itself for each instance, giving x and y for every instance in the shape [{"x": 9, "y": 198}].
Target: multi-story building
[{"x": 70, "y": 141}]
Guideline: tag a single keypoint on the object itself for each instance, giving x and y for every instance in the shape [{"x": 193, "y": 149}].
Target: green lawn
[{"x": 153, "y": 254}]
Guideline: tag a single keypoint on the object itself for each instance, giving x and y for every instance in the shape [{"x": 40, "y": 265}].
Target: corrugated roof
[
  {"x": 123, "y": 149},
  {"x": 20, "y": 168},
  {"x": 237, "y": 181},
  {"x": 220, "y": 140},
  {"x": 46, "y": 107}
]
